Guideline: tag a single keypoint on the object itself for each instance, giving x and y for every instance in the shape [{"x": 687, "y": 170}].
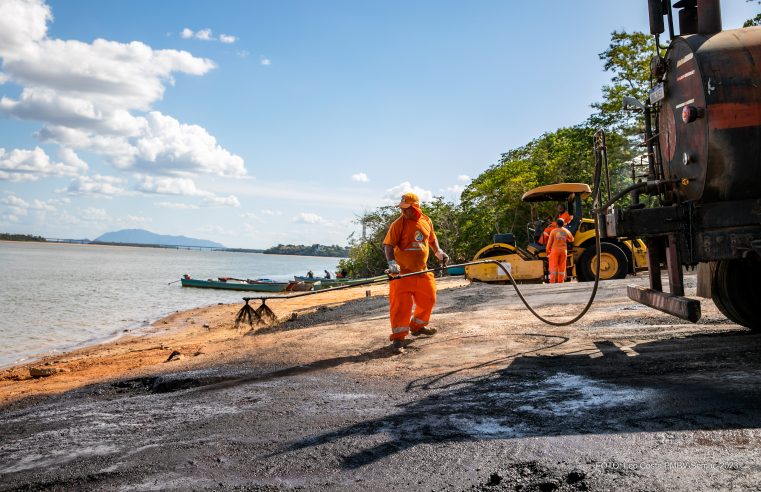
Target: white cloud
[
  {"x": 264, "y": 60},
  {"x": 221, "y": 201},
  {"x": 14, "y": 201},
  {"x": 95, "y": 185},
  {"x": 463, "y": 178},
  {"x": 176, "y": 205},
  {"x": 204, "y": 35},
  {"x": 41, "y": 206},
  {"x": 242, "y": 54},
  {"x": 14, "y": 208},
  {"x": 360, "y": 178},
  {"x": 135, "y": 221},
  {"x": 93, "y": 214},
  {"x": 453, "y": 192},
  {"x": 170, "y": 186},
  {"x": 31, "y": 165},
  {"x": 216, "y": 230},
  {"x": 85, "y": 95},
  {"x": 308, "y": 218},
  {"x": 183, "y": 187},
  {"x": 159, "y": 145},
  {"x": 168, "y": 146},
  {"x": 393, "y": 195},
  {"x": 272, "y": 213},
  {"x": 207, "y": 35}
]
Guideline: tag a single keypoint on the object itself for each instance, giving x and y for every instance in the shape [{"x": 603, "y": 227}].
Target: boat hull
[{"x": 213, "y": 284}]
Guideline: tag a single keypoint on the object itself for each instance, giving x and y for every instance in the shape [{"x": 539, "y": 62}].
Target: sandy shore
[{"x": 204, "y": 336}]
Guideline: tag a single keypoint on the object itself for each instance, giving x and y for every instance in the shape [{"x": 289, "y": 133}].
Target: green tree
[
  {"x": 628, "y": 59},
  {"x": 755, "y": 21},
  {"x": 366, "y": 257},
  {"x": 447, "y": 218}
]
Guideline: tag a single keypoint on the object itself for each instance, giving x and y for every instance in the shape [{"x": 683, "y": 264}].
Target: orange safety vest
[
  {"x": 559, "y": 238},
  {"x": 566, "y": 218},
  {"x": 411, "y": 240}
]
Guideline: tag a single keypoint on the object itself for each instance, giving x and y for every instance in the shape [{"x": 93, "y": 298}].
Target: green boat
[{"x": 249, "y": 285}]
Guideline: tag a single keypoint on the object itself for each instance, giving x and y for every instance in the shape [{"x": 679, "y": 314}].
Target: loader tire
[{"x": 614, "y": 263}]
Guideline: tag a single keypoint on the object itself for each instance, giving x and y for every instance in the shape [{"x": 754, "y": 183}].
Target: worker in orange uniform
[
  {"x": 406, "y": 247},
  {"x": 557, "y": 251},
  {"x": 562, "y": 214}
]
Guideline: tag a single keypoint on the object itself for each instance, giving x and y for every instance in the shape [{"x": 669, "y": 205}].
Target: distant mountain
[{"x": 140, "y": 236}]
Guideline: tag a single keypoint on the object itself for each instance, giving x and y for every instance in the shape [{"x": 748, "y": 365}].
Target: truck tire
[
  {"x": 735, "y": 293},
  {"x": 614, "y": 263}
]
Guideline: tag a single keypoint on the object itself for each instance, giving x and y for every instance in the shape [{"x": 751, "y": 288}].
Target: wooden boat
[
  {"x": 261, "y": 285},
  {"x": 310, "y": 280}
]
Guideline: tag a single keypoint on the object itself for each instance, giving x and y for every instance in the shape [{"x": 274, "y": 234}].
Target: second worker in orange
[{"x": 557, "y": 251}]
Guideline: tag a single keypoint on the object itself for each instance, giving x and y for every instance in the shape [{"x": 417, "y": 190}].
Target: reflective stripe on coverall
[
  {"x": 557, "y": 246},
  {"x": 411, "y": 240}
]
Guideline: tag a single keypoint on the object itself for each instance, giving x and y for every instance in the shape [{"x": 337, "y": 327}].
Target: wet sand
[{"x": 628, "y": 398}]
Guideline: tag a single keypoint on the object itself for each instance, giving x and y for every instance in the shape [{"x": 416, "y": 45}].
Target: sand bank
[{"x": 203, "y": 336}]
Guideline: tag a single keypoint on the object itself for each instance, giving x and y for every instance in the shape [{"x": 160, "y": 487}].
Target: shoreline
[
  {"x": 139, "y": 328},
  {"x": 204, "y": 336}
]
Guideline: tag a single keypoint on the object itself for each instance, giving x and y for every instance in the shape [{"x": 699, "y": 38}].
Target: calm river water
[{"x": 58, "y": 296}]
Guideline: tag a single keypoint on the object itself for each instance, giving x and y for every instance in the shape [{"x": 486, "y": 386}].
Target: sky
[{"x": 254, "y": 123}]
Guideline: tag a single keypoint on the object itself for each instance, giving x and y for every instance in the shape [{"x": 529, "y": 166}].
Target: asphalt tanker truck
[{"x": 703, "y": 140}]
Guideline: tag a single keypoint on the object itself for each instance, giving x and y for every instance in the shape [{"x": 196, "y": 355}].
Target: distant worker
[
  {"x": 406, "y": 247},
  {"x": 344, "y": 273},
  {"x": 327, "y": 274},
  {"x": 310, "y": 274},
  {"x": 562, "y": 214},
  {"x": 557, "y": 251}
]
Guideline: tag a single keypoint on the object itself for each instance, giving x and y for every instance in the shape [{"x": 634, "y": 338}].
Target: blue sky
[{"x": 254, "y": 123}]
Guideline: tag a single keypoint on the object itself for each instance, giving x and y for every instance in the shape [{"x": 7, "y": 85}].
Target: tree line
[
  {"x": 304, "y": 250},
  {"x": 4, "y": 236}
]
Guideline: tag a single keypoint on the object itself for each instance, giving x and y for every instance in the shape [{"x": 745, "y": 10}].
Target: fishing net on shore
[
  {"x": 249, "y": 315},
  {"x": 265, "y": 313}
]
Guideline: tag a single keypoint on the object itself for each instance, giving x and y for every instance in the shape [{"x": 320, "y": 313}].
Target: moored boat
[
  {"x": 262, "y": 285},
  {"x": 325, "y": 283}
]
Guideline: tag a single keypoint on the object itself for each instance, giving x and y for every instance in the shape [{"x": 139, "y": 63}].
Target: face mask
[{"x": 417, "y": 212}]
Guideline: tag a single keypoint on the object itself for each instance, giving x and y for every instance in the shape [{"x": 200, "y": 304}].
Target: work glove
[
  {"x": 443, "y": 257},
  {"x": 393, "y": 268}
]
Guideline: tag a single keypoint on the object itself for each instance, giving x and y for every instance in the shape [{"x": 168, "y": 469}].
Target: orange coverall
[
  {"x": 547, "y": 230},
  {"x": 410, "y": 240},
  {"x": 557, "y": 250}
]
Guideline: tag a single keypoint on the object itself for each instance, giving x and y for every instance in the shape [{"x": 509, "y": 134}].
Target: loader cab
[{"x": 570, "y": 194}]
